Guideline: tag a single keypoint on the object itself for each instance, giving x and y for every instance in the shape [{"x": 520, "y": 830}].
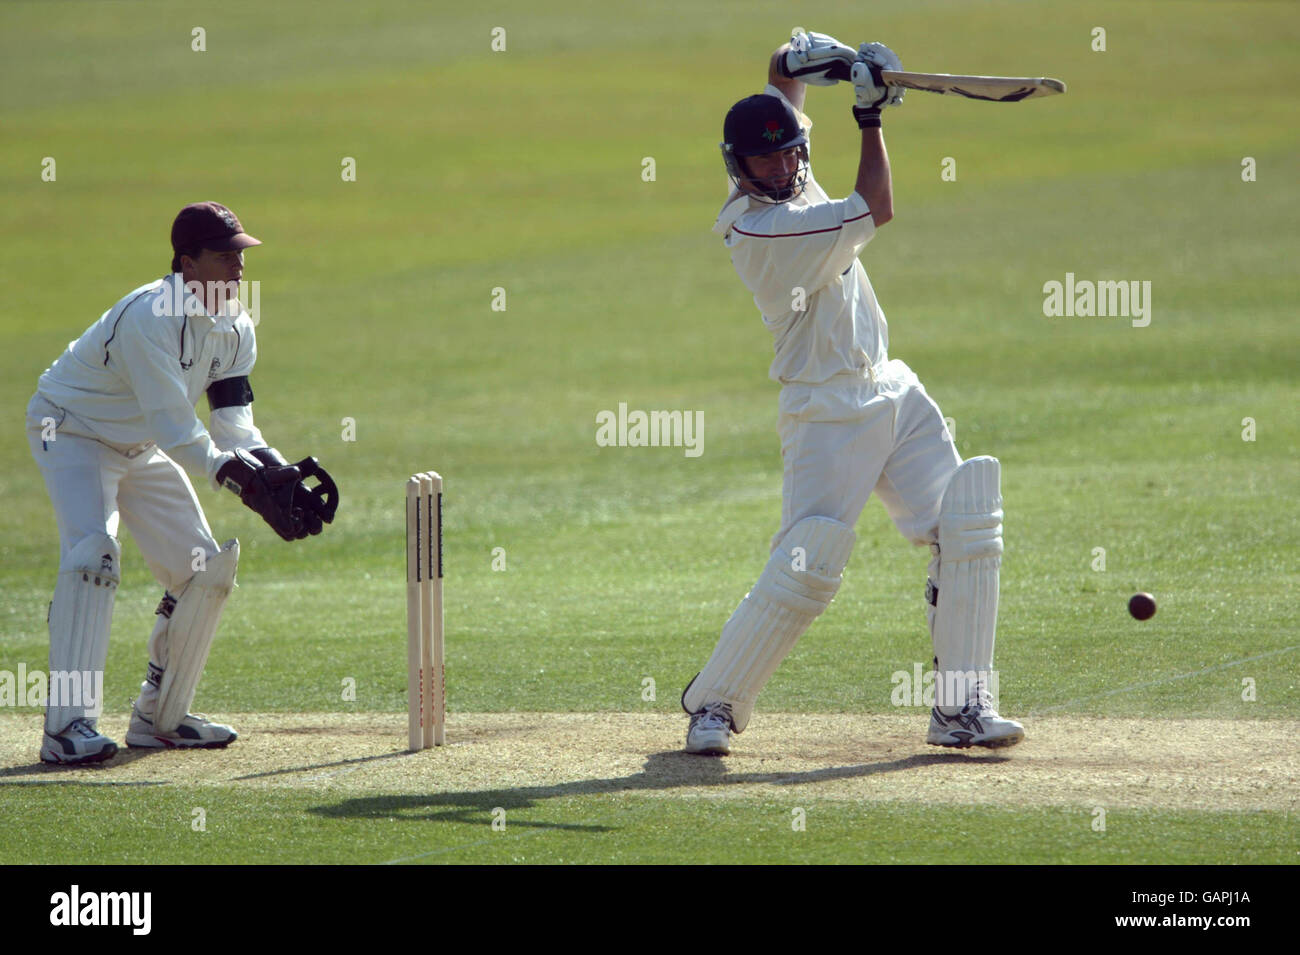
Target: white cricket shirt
[
  {"x": 136, "y": 374},
  {"x": 805, "y": 252}
]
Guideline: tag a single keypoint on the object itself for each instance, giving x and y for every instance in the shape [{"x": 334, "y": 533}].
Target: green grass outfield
[
  {"x": 522, "y": 170},
  {"x": 417, "y": 829}
]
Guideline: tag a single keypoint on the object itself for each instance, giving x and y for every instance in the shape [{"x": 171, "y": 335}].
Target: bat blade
[{"x": 995, "y": 89}]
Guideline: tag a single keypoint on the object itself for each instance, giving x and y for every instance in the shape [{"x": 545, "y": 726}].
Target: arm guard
[{"x": 229, "y": 393}]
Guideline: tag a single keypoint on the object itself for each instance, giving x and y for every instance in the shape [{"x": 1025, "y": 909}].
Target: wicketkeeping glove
[
  {"x": 267, "y": 489},
  {"x": 318, "y": 503},
  {"x": 314, "y": 506},
  {"x": 818, "y": 59}
]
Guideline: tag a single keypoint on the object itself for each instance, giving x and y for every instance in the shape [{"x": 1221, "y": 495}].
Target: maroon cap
[{"x": 208, "y": 225}]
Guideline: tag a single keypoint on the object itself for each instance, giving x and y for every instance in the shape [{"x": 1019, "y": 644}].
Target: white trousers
[
  {"x": 94, "y": 487},
  {"x": 841, "y": 441}
]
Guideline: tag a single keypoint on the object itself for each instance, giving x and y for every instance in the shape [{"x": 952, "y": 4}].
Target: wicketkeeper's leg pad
[
  {"x": 964, "y": 614},
  {"x": 81, "y": 615},
  {"x": 798, "y": 583},
  {"x": 190, "y": 631}
]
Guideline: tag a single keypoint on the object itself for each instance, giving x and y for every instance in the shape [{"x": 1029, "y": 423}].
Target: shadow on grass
[{"x": 662, "y": 771}]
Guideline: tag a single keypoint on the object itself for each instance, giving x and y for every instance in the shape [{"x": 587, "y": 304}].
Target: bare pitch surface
[{"x": 1066, "y": 761}]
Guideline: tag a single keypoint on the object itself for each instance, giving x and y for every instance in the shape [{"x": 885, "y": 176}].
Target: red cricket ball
[{"x": 1142, "y": 606}]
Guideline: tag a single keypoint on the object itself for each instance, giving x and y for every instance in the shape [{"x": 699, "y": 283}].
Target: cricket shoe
[
  {"x": 80, "y": 742},
  {"x": 195, "y": 731},
  {"x": 976, "y": 724},
  {"x": 710, "y": 731}
]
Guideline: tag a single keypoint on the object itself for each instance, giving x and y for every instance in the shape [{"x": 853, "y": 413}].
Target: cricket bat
[{"x": 995, "y": 89}]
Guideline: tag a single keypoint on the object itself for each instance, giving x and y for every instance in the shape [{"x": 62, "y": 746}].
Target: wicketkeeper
[
  {"x": 852, "y": 421},
  {"x": 114, "y": 430}
]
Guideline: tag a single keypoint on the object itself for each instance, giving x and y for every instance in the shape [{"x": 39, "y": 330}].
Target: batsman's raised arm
[
  {"x": 794, "y": 90},
  {"x": 821, "y": 60},
  {"x": 874, "y": 183}
]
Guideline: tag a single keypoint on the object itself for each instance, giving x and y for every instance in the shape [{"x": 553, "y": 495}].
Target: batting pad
[
  {"x": 800, "y": 578},
  {"x": 189, "y": 635},
  {"x": 970, "y": 557},
  {"x": 81, "y": 615}
]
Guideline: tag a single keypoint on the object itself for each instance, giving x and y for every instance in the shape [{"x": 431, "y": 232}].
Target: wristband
[{"x": 868, "y": 117}]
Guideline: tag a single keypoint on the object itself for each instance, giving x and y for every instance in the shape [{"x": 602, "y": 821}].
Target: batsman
[
  {"x": 851, "y": 420},
  {"x": 113, "y": 428}
]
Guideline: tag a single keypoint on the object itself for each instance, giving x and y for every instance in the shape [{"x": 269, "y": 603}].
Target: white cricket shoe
[
  {"x": 195, "y": 731},
  {"x": 80, "y": 742},
  {"x": 976, "y": 724},
  {"x": 710, "y": 731}
]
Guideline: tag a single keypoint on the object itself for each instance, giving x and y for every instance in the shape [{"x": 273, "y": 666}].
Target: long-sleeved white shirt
[
  {"x": 805, "y": 253},
  {"x": 136, "y": 374}
]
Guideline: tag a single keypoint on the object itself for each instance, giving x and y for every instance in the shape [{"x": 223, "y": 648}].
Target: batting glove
[
  {"x": 817, "y": 59},
  {"x": 868, "y": 87}
]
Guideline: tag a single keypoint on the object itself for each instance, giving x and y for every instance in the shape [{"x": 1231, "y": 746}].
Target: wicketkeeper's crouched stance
[
  {"x": 114, "y": 430},
  {"x": 851, "y": 420}
]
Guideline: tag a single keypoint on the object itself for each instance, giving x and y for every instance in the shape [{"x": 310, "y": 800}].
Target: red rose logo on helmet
[{"x": 774, "y": 131}]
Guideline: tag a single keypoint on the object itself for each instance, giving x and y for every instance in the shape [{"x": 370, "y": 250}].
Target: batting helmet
[{"x": 756, "y": 126}]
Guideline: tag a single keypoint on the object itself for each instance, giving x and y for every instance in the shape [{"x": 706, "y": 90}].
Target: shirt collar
[{"x": 194, "y": 306}]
